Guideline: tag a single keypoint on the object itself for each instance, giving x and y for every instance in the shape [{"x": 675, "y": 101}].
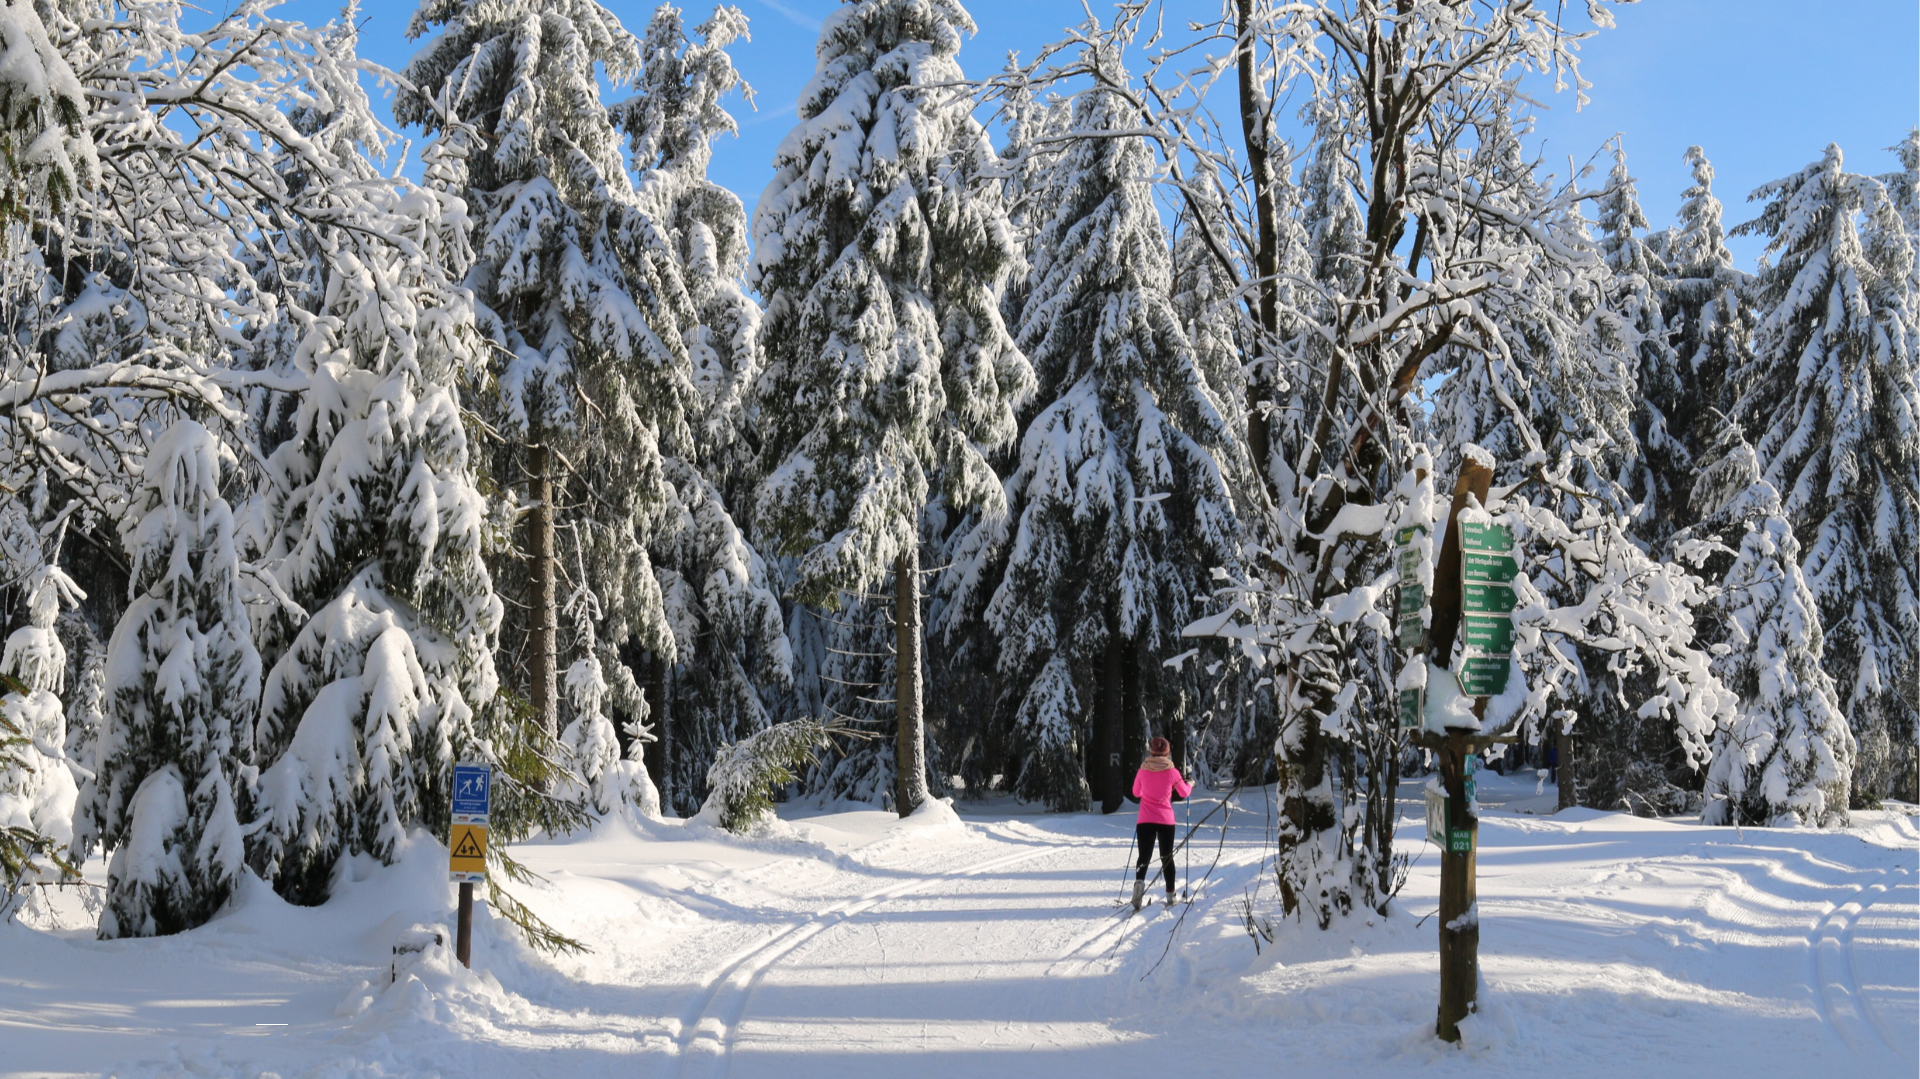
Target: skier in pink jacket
[{"x": 1155, "y": 786}]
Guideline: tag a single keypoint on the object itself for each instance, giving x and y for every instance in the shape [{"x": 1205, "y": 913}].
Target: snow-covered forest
[{"x": 1037, "y": 408}]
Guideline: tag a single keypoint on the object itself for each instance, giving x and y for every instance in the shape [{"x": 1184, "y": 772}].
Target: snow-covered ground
[{"x": 991, "y": 944}]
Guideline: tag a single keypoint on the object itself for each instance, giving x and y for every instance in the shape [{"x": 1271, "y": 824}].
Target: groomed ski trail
[
  {"x": 708, "y": 1030},
  {"x": 1837, "y": 985}
]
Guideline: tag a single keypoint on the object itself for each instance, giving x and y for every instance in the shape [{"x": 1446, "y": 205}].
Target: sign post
[
  {"x": 467, "y": 845},
  {"x": 1471, "y": 555}
]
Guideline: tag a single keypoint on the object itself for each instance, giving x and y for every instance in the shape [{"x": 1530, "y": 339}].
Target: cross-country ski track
[{"x": 843, "y": 942}]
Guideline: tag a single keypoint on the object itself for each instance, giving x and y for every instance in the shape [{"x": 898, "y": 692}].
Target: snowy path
[{"x": 853, "y": 945}]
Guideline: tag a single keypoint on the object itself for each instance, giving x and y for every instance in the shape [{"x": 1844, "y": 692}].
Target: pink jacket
[{"x": 1155, "y": 790}]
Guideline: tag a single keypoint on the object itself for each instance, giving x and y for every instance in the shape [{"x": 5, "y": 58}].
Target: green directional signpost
[{"x": 1487, "y": 571}]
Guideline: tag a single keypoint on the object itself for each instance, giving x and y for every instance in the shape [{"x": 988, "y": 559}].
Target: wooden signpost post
[
  {"x": 1473, "y": 601},
  {"x": 467, "y": 845}
]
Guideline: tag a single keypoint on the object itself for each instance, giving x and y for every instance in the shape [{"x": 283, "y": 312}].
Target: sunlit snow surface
[{"x": 845, "y": 943}]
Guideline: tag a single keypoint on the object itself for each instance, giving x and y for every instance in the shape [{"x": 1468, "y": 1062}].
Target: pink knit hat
[{"x": 1158, "y": 748}]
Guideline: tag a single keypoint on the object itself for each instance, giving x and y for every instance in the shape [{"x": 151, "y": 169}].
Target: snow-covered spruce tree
[
  {"x": 374, "y": 529},
  {"x": 1029, "y": 161},
  {"x": 176, "y": 756},
  {"x": 1904, "y": 185},
  {"x": 671, "y": 122},
  {"x": 1118, "y": 507},
  {"x": 879, "y": 246},
  {"x": 1830, "y": 399},
  {"x": 1785, "y": 754},
  {"x": 605, "y": 778},
  {"x": 728, "y": 634},
  {"x": 962, "y": 682},
  {"x": 576, "y": 288},
  {"x": 1705, "y": 299},
  {"x": 746, "y": 774},
  {"x": 1230, "y": 728},
  {"x": 1657, "y": 473},
  {"x": 38, "y": 794}
]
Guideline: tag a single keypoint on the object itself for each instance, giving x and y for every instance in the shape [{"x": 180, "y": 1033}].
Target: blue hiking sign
[{"x": 472, "y": 790}]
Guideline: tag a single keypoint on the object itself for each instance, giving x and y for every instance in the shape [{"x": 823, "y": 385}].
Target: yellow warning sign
[{"x": 467, "y": 848}]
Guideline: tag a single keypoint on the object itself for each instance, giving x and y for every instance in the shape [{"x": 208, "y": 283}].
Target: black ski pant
[{"x": 1148, "y": 834}]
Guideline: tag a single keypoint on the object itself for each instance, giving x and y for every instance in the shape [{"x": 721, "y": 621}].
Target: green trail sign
[
  {"x": 1491, "y": 634},
  {"x": 1487, "y": 570},
  {"x": 1487, "y": 537},
  {"x": 1441, "y": 830},
  {"x": 1409, "y": 709},
  {"x": 1481, "y": 566},
  {"x": 1409, "y": 564},
  {"x": 1412, "y": 596},
  {"x": 1485, "y": 676},
  {"x": 1479, "y": 597}
]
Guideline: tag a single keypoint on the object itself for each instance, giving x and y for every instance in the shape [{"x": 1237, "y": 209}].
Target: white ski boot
[{"x": 1139, "y": 893}]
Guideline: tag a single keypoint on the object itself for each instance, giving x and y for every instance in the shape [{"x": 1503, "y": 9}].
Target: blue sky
[{"x": 1763, "y": 85}]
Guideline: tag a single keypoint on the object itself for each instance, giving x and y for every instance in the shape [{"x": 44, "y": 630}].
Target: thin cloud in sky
[
  {"x": 799, "y": 17},
  {"x": 761, "y": 117}
]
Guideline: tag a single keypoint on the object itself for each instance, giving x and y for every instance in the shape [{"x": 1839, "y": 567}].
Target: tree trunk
[
  {"x": 658, "y": 755},
  {"x": 544, "y": 687},
  {"x": 1135, "y": 727},
  {"x": 1177, "y": 743},
  {"x": 1110, "y": 737},
  {"x": 1563, "y": 749},
  {"x": 1254, "y": 131},
  {"x": 910, "y": 737}
]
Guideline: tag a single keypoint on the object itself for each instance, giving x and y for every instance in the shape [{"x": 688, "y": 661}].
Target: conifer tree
[
  {"x": 1785, "y": 754},
  {"x": 729, "y": 637},
  {"x": 599, "y": 774},
  {"x": 38, "y": 794},
  {"x": 880, "y": 245},
  {"x": 1118, "y": 506},
  {"x": 1657, "y": 469},
  {"x": 382, "y": 630},
  {"x": 1904, "y": 185},
  {"x": 183, "y": 679},
  {"x": 574, "y": 284},
  {"x": 1831, "y": 398},
  {"x": 1709, "y": 316}
]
